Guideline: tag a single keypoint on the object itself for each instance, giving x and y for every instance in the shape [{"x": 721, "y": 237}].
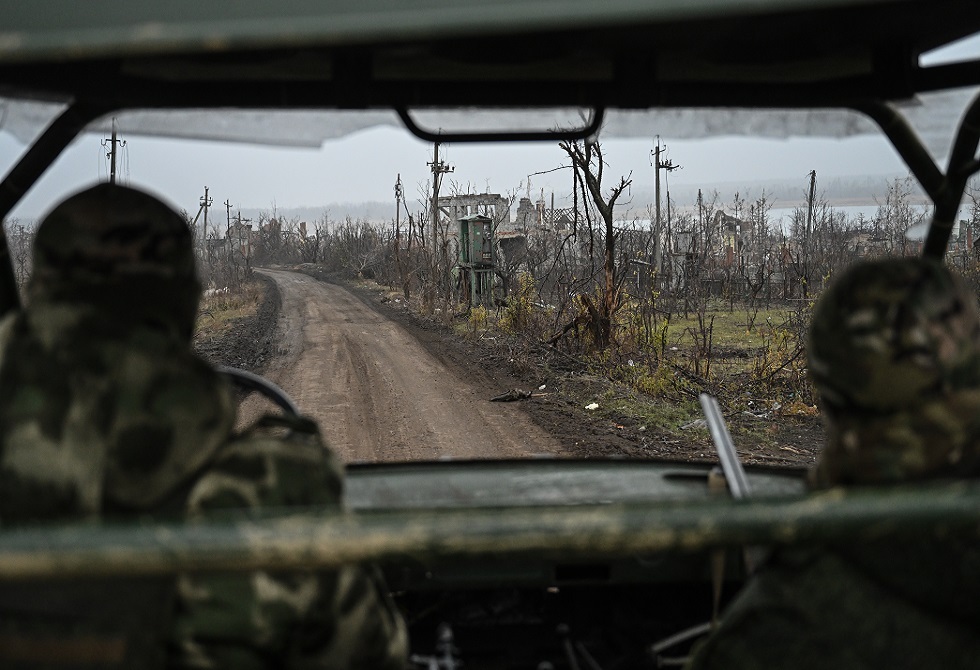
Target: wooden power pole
[
  {"x": 113, "y": 143},
  {"x": 205, "y": 205},
  {"x": 439, "y": 168},
  {"x": 398, "y": 205},
  {"x": 669, "y": 166},
  {"x": 809, "y": 208}
]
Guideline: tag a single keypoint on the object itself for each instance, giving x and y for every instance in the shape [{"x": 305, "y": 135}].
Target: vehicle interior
[{"x": 504, "y": 564}]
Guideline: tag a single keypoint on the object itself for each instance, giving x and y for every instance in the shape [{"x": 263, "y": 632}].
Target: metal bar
[
  {"x": 946, "y": 190},
  {"x": 946, "y": 76},
  {"x": 315, "y": 538},
  {"x": 731, "y": 466},
  {"x": 738, "y": 482},
  {"x": 23, "y": 176},
  {"x": 962, "y": 164},
  {"x": 908, "y": 145},
  {"x": 589, "y": 130},
  {"x": 44, "y": 151}
]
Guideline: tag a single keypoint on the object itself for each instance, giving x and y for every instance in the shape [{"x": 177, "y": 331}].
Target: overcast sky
[{"x": 364, "y": 166}]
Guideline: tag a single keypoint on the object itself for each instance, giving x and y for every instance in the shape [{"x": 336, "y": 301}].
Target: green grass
[
  {"x": 669, "y": 416},
  {"x": 728, "y": 329}
]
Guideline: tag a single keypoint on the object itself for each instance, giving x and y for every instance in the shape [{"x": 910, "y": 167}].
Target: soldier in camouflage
[
  {"x": 105, "y": 411},
  {"x": 337, "y": 620},
  {"x": 894, "y": 352}
]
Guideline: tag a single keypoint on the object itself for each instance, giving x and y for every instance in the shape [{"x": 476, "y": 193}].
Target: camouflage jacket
[
  {"x": 98, "y": 420},
  {"x": 871, "y": 605},
  {"x": 265, "y": 619}
]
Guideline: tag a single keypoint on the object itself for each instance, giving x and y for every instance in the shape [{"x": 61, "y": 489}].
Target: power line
[{"x": 111, "y": 154}]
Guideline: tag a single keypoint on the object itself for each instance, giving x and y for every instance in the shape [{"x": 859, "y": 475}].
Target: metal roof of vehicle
[{"x": 631, "y": 54}]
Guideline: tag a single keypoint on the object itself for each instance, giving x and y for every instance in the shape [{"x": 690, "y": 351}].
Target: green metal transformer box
[{"x": 476, "y": 259}]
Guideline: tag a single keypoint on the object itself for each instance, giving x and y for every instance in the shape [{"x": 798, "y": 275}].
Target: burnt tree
[{"x": 588, "y": 165}]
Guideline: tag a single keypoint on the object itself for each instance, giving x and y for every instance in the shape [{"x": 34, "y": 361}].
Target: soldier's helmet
[
  {"x": 121, "y": 249},
  {"x": 894, "y": 352}
]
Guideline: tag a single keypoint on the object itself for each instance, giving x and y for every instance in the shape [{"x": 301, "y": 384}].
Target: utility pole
[
  {"x": 809, "y": 208},
  {"x": 439, "y": 168},
  {"x": 805, "y": 261},
  {"x": 113, "y": 143},
  {"x": 205, "y": 205},
  {"x": 398, "y": 236},
  {"x": 227, "y": 204},
  {"x": 398, "y": 208},
  {"x": 247, "y": 241},
  {"x": 702, "y": 246},
  {"x": 669, "y": 166}
]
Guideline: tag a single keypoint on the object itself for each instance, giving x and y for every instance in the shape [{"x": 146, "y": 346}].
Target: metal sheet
[{"x": 314, "y": 539}]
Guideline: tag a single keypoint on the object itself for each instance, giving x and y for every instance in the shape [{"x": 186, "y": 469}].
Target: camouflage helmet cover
[
  {"x": 894, "y": 352},
  {"x": 119, "y": 248}
]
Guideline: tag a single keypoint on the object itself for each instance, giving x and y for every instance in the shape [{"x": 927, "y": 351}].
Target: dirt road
[{"x": 376, "y": 393}]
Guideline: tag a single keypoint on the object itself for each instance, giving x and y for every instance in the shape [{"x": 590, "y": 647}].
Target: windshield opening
[{"x": 501, "y": 249}]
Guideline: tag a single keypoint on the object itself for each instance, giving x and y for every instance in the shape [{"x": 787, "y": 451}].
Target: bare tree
[
  {"x": 895, "y": 216},
  {"x": 588, "y": 166},
  {"x": 759, "y": 266},
  {"x": 20, "y": 238},
  {"x": 311, "y": 243}
]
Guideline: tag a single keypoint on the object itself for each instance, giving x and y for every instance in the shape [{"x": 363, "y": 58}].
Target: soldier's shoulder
[{"x": 279, "y": 461}]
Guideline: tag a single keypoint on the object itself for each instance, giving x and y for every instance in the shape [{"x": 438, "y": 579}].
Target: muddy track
[{"x": 377, "y": 394}]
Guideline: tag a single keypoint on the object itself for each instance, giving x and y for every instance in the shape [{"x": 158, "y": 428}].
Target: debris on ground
[{"x": 511, "y": 395}]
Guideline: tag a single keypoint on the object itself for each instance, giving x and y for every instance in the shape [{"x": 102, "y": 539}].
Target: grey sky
[{"x": 363, "y": 166}]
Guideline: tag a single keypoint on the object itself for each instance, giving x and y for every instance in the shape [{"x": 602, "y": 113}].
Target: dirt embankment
[
  {"x": 251, "y": 343},
  {"x": 386, "y": 384}
]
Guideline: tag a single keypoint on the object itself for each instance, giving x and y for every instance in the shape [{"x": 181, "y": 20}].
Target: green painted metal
[
  {"x": 474, "y": 234},
  {"x": 543, "y": 482},
  {"x": 68, "y": 28},
  {"x": 476, "y": 256},
  {"x": 581, "y": 532},
  {"x": 65, "y": 33}
]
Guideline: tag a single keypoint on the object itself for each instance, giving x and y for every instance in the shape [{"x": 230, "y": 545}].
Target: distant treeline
[{"x": 781, "y": 193}]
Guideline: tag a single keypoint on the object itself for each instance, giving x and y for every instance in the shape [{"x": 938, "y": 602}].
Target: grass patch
[
  {"x": 728, "y": 329},
  {"x": 218, "y": 312},
  {"x": 618, "y": 402},
  {"x": 650, "y": 413}
]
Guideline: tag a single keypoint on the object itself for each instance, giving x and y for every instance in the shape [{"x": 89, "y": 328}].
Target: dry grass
[{"x": 219, "y": 311}]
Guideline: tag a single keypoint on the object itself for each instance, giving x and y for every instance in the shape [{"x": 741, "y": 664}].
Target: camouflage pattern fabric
[
  {"x": 104, "y": 407},
  {"x": 298, "y": 619},
  {"x": 105, "y": 411},
  {"x": 896, "y": 606},
  {"x": 96, "y": 418},
  {"x": 893, "y": 351},
  {"x": 122, "y": 251}
]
